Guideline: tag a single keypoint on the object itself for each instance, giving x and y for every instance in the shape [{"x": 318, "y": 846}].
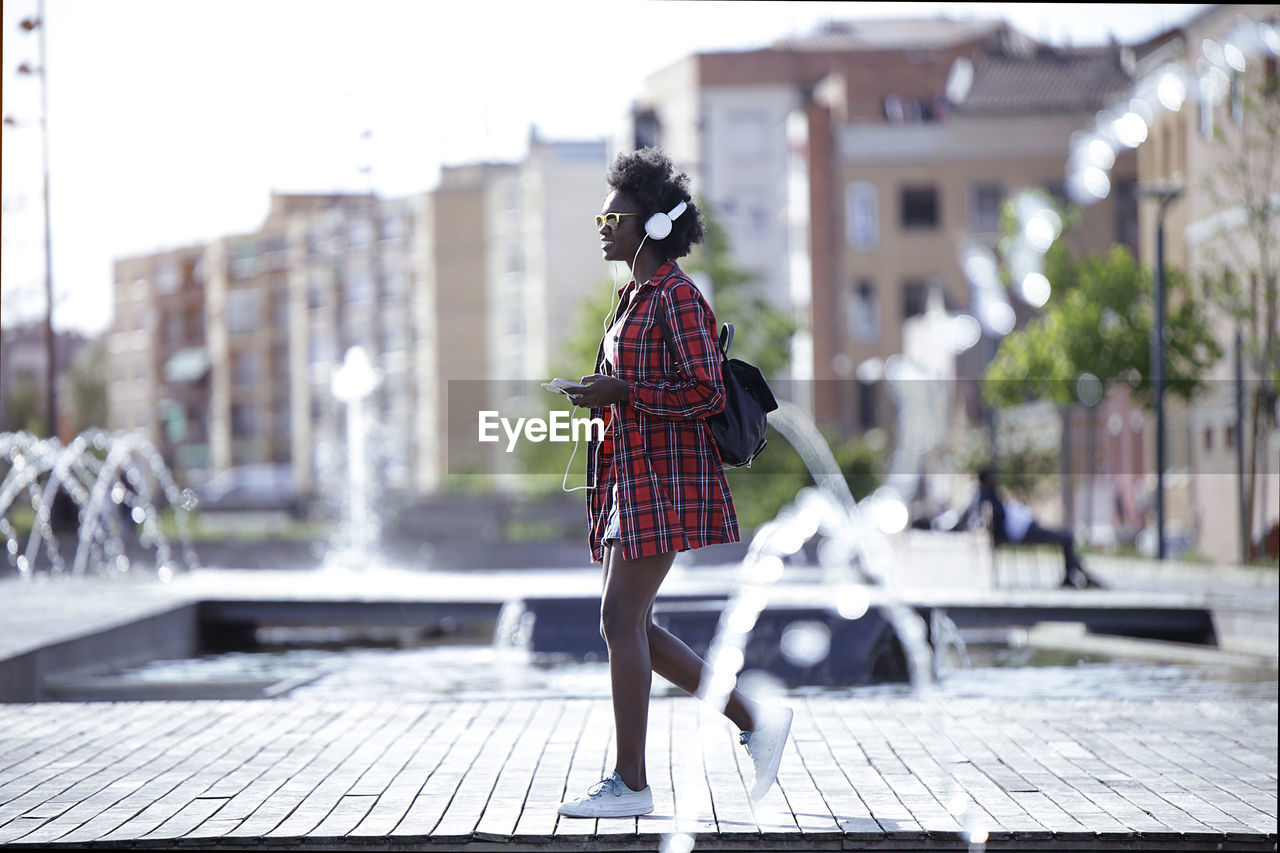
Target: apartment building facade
[
  {"x": 723, "y": 118},
  {"x": 892, "y": 203},
  {"x": 846, "y": 177},
  {"x": 1220, "y": 57},
  {"x": 224, "y": 353}
]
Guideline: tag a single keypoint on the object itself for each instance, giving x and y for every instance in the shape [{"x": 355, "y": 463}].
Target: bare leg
[
  {"x": 630, "y": 587},
  {"x": 678, "y": 663}
]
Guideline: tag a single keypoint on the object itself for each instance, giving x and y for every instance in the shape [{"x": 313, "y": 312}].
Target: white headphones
[{"x": 659, "y": 225}]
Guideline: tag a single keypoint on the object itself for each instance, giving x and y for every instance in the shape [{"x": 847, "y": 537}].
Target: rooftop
[
  {"x": 890, "y": 34},
  {"x": 1046, "y": 80}
]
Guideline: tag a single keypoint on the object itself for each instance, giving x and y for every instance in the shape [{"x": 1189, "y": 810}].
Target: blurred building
[
  {"x": 159, "y": 370},
  {"x": 1222, "y": 60},
  {"x": 848, "y": 175},
  {"x": 224, "y": 353},
  {"x": 892, "y": 199},
  {"x": 722, "y": 116}
]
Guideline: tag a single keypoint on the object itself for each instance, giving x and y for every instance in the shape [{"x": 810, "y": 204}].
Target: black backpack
[{"x": 739, "y": 429}]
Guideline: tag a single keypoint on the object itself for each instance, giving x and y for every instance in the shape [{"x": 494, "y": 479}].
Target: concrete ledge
[{"x": 168, "y": 632}]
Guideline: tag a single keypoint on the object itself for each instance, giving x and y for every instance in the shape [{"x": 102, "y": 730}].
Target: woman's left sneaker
[{"x": 610, "y": 797}]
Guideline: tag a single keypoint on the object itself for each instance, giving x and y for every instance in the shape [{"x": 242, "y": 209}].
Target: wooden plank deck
[{"x": 887, "y": 774}]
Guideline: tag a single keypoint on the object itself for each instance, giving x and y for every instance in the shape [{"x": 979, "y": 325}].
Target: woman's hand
[{"x": 601, "y": 390}]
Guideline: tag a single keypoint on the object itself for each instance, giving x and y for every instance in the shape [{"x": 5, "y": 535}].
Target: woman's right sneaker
[
  {"x": 610, "y": 797},
  {"x": 765, "y": 745}
]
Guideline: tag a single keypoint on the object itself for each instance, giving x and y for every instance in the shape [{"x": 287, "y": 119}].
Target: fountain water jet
[
  {"x": 854, "y": 557},
  {"x": 100, "y": 474},
  {"x": 352, "y": 384}
]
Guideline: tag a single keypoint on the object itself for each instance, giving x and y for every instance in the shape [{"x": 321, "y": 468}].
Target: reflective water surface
[{"x": 452, "y": 671}]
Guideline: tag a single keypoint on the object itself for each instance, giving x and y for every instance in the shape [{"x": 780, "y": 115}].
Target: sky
[{"x": 172, "y": 121}]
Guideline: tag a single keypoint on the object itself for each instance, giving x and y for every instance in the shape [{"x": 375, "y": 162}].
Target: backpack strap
[{"x": 726, "y": 331}]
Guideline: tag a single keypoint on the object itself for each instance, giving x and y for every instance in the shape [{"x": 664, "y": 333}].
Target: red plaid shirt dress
[{"x": 672, "y": 492}]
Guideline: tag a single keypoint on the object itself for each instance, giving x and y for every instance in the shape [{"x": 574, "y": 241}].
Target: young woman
[{"x": 656, "y": 483}]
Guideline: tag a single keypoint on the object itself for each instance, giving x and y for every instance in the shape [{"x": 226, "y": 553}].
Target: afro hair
[{"x": 650, "y": 179}]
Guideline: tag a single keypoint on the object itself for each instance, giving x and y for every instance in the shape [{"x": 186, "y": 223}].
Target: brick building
[{"x": 224, "y": 353}]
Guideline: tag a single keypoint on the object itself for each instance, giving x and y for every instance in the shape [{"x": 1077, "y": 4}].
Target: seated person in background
[{"x": 1012, "y": 523}]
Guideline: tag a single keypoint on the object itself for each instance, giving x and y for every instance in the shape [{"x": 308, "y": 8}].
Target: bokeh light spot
[{"x": 806, "y": 643}]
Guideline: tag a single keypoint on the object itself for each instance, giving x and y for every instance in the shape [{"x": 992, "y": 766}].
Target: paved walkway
[
  {"x": 866, "y": 773},
  {"x": 883, "y": 774}
]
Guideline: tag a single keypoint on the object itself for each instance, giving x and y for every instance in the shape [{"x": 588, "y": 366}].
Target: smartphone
[{"x": 563, "y": 386}]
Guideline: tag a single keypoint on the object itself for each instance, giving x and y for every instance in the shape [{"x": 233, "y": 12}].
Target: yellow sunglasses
[{"x": 611, "y": 219}]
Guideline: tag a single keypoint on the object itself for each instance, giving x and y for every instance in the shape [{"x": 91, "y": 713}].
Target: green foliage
[
  {"x": 778, "y": 474},
  {"x": 88, "y": 383},
  {"x": 542, "y": 464},
  {"x": 24, "y": 408},
  {"x": 1098, "y": 323}
]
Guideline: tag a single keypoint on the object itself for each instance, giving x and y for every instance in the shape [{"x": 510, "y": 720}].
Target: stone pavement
[
  {"x": 887, "y": 774},
  {"x": 891, "y": 774}
]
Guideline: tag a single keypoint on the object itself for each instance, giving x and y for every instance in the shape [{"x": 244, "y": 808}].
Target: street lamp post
[
  {"x": 50, "y": 389},
  {"x": 1165, "y": 192}
]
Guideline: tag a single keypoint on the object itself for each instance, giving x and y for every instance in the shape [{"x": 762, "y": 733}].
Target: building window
[
  {"x": 244, "y": 422},
  {"x": 919, "y": 207},
  {"x": 862, "y": 215},
  {"x": 1126, "y": 212},
  {"x": 282, "y": 420},
  {"x": 315, "y": 292},
  {"x": 864, "y": 313},
  {"x": 319, "y": 349},
  {"x": 647, "y": 129},
  {"x": 395, "y": 337},
  {"x": 394, "y": 285},
  {"x": 359, "y": 286},
  {"x": 915, "y": 295},
  {"x": 246, "y": 369},
  {"x": 1206, "y": 117},
  {"x": 747, "y": 135},
  {"x": 280, "y": 364},
  {"x": 984, "y": 206},
  {"x": 244, "y": 310},
  {"x": 175, "y": 329},
  {"x": 275, "y": 253},
  {"x": 168, "y": 276},
  {"x": 867, "y": 405},
  {"x": 280, "y": 311},
  {"x": 360, "y": 232},
  {"x": 392, "y": 226},
  {"x": 244, "y": 261},
  {"x": 909, "y": 110},
  {"x": 1237, "y": 100}
]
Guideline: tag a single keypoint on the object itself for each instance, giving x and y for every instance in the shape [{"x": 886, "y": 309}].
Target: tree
[
  {"x": 88, "y": 383},
  {"x": 1095, "y": 333},
  {"x": 1244, "y": 261},
  {"x": 25, "y": 406}
]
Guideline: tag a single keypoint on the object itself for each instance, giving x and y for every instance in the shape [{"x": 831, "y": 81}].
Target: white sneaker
[
  {"x": 610, "y": 797},
  {"x": 765, "y": 747}
]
